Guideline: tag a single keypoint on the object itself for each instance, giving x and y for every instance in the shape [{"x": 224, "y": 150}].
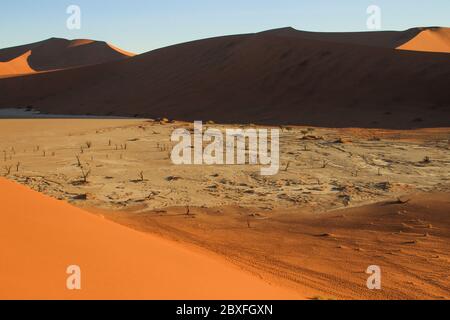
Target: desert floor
[{"x": 344, "y": 199}]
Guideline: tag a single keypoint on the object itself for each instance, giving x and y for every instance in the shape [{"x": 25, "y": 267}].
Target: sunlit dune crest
[
  {"x": 430, "y": 40},
  {"x": 16, "y": 66},
  {"x": 57, "y": 54},
  {"x": 126, "y": 53}
]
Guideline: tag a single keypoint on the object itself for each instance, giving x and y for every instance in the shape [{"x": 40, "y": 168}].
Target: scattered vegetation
[
  {"x": 172, "y": 178},
  {"x": 78, "y": 161},
  {"x": 426, "y": 160},
  {"x": 8, "y": 170},
  {"x": 85, "y": 173},
  {"x": 287, "y": 166}
]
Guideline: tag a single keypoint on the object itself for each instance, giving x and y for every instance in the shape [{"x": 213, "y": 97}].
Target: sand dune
[
  {"x": 40, "y": 237},
  {"x": 125, "y": 53},
  {"x": 382, "y": 39},
  {"x": 55, "y": 54},
  {"x": 326, "y": 255},
  {"x": 431, "y": 39},
  {"x": 16, "y": 66},
  {"x": 257, "y": 78}
]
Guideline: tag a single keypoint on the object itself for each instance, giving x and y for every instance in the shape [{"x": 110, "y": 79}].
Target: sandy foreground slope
[{"x": 40, "y": 237}]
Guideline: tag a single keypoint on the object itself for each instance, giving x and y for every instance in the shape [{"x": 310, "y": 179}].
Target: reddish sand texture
[
  {"x": 40, "y": 237},
  {"x": 431, "y": 40}
]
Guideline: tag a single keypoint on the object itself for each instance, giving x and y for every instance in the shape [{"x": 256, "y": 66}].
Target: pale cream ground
[{"x": 317, "y": 171}]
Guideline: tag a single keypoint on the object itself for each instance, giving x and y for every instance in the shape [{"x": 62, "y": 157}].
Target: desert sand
[
  {"x": 275, "y": 77},
  {"x": 325, "y": 255},
  {"x": 40, "y": 237},
  {"x": 56, "y": 54},
  {"x": 364, "y": 177},
  {"x": 430, "y": 40},
  {"x": 344, "y": 199}
]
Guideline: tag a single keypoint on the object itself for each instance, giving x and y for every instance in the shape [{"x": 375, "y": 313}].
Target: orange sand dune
[
  {"x": 125, "y": 53},
  {"x": 40, "y": 237},
  {"x": 18, "y": 65},
  {"x": 432, "y": 40},
  {"x": 57, "y": 54}
]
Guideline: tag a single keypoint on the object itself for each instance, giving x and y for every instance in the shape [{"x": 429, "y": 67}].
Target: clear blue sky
[{"x": 143, "y": 25}]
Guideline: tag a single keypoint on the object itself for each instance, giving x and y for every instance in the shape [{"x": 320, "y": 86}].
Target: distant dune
[
  {"x": 16, "y": 66},
  {"x": 40, "y": 237},
  {"x": 56, "y": 54},
  {"x": 382, "y": 39},
  {"x": 428, "y": 39},
  {"x": 431, "y": 40},
  {"x": 281, "y": 76}
]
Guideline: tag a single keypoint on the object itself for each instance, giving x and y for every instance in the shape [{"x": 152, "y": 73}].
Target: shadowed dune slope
[
  {"x": 431, "y": 40},
  {"x": 427, "y": 39},
  {"x": 54, "y": 54},
  {"x": 382, "y": 39},
  {"x": 40, "y": 237},
  {"x": 267, "y": 78}
]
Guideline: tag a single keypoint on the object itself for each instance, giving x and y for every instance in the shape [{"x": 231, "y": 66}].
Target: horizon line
[{"x": 221, "y": 35}]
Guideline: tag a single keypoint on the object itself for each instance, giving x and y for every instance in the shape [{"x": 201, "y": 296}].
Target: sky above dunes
[{"x": 143, "y": 25}]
